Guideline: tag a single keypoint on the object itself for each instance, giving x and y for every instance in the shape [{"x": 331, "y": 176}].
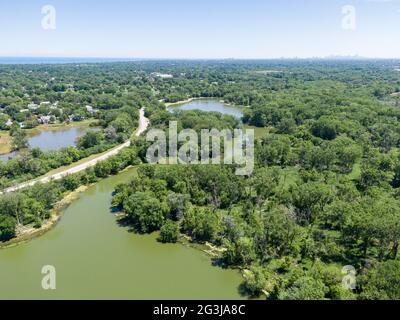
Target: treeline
[
  {"x": 325, "y": 190},
  {"x": 291, "y": 239},
  {"x": 324, "y": 194},
  {"x": 32, "y": 206}
]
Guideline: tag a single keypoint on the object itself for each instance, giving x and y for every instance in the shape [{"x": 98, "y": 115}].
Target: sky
[{"x": 207, "y": 29}]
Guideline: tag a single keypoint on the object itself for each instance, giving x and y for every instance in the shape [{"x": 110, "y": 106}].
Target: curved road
[{"x": 143, "y": 124}]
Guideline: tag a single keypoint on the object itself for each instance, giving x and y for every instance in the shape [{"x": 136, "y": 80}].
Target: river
[{"x": 95, "y": 258}]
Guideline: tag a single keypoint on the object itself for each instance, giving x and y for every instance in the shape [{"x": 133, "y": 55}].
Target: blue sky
[{"x": 200, "y": 29}]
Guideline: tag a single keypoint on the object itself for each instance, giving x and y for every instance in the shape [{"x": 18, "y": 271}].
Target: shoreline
[
  {"x": 58, "y": 127},
  {"x": 55, "y": 216},
  {"x": 172, "y": 104},
  {"x": 5, "y": 138},
  {"x": 178, "y": 103},
  {"x": 5, "y": 143},
  {"x": 31, "y": 233}
]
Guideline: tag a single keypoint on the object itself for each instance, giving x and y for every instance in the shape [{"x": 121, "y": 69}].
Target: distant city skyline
[{"x": 178, "y": 29}]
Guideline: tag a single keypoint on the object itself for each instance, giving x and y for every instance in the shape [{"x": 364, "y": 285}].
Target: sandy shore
[{"x": 171, "y": 104}]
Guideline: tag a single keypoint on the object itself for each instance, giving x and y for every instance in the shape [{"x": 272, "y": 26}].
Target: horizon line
[{"x": 329, "y": 57}]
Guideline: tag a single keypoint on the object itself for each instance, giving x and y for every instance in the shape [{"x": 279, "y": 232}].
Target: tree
[
  {"x": 13, "y": 204},
  {"x": 309, "y": 200},
  {"x": 325, "y": 128},
  {"x": 71, "y": 182},
  {"x": 279, "y": 235},
  {"x": 347, "y": 153},
  {"x": 111, "y": 133},
  {"x": 146, "y": 212},
  {"x": 19, "y": 140},
  {"x": 102, "y": 169},
  {"x": 381, "y": 282},
  {"x": 375, "y": 222},
  {"x": 305, "y": 288},
  {"x": 90, "y": 139},
  {"x": 239, "y": 252},
  {"x": 7, "y": 227},
  {"x": 177, "y": 203},
  {"x": 202, "y": 223},
  {"x": 265, "y": 182},
  {"x": 169, "y": 232},
  {"x": 255, "y": 281}
]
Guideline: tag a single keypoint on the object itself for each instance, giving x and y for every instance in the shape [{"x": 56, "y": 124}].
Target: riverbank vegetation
[
  {"x": 324, "y": 193},
  {"x": 5, "y": 142},
  {"x": 32, "y": 206}
]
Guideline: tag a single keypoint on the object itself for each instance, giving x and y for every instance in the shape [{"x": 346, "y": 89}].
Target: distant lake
[
  {"x": 48, "y": 140},
  {"x": 209, "y": 105}
]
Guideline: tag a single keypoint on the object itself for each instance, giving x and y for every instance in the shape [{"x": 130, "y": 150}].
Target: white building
[
  {"x": 44, "y": 119},
  {"x": 32, "y": 106},
  {"x": 162, "y": 75},
  {"x": 90, "y": 109},
  {"x": 9, "y": 123}
]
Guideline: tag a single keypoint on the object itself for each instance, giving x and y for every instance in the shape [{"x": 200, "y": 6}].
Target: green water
[{"x": 97, "y": 259}]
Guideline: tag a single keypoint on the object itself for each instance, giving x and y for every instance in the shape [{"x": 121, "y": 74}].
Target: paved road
[{"x": 143, "y": 124}]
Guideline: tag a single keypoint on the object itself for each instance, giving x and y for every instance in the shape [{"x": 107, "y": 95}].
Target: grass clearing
[
  {"x": 5, "y": 142},
  {"x": 259, "y": 132},
  {"x": 59, "y": 126}
]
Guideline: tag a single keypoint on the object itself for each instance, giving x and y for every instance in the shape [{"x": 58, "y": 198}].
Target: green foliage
[
  {"x": 145, "y": 211},
  {"x": 90, "y": 139},
  {"x": 32, "y": 205},
  {"x": 7, "y": 227},
  {"x": 381, "y": 282},
  {"x": 201, "y": 223},
  {"x": 325, "y": 128},
  {"x": 169, "y": 232},
  {"x": 324, "y": 192},
  {"x": 19, "y": 139},
  {"x": 255, "y": 281},
  {"x": 305, "y": 288}
]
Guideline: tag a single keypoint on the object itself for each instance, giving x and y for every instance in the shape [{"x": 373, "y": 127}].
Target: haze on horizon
[{"x": 252, "y": 29}]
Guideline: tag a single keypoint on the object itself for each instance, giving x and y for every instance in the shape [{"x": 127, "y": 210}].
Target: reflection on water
[
  {"x": 209, "y": 105},
  {"x": 48, "y": 140}
]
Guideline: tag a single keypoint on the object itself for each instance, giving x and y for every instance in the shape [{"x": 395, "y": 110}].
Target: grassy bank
[
  {"x": 5, "y": 142},
  {"x": 59, "y": 127},
  {"x": 171, "y": 104}
]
